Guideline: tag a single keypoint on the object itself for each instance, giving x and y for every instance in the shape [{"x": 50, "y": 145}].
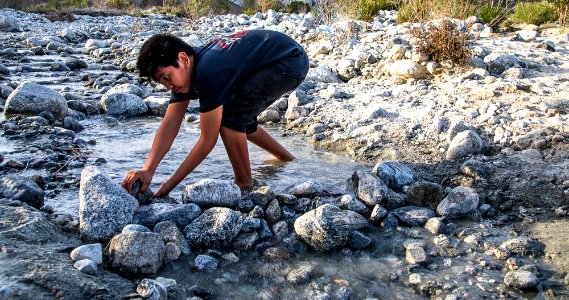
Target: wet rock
[
  {"x": 378, "y": 213},
  {"x": 413, "y": 215},
  {"x": 308, "y": 189},
  {"x": 126, "y": 88},
  {"x": 86, "y": 266},
  {"x": 265, "y": 231},
  {"x": 205, "y": 263},
  {"x": 31, "y": 99},
  {"x": 143, "y": 198},
  {"x": 359, "y": 241},
  {"x": 523, "y": 280},
  {"x": 212, "y": 192},
  {"x": 4, "y": 70},
  {"x": 415, "y": 254},
  {"x": 135, "y": 228},
  {"x": 324, "y": 228},
  {"x": 152, "y": 289},
  {"x": 458, "y": 203},
  {"x": 394, "y": 200},
  {"x": 122, "y": 104},
  {"x": 348, "y": 202},
  {"x": 390, "y": 221},
  {"x": 93, "y": 252},
  {"x": 104, "y": 207},
  {"x": 300, "y": 275},
  {"x": 136, "y": 253},
  {"x": 245, "y": 240},
  {"x": 179, "y": 214},
  {"x": 280, "y": 230},
  {"x": 251, "y": 224},
  {"x": 215, "y": 228},
  {"x": 72, "y": 124},
  {"x": 261, "y": 196},
  {"x": 425, "y": 194},
  {"x": 75, "y": 63},
  {"x": 273, "y": 212},
  {"x": 368, "y": 188},
  {"x": 157, "y": 105},
  {"x": 276, "y": 253},
  {"x": 524, "y": 247},
  {"x": 171, "y": 252},
  {"x": 396, "y": 175},
  {"x": 171, "y": 234},
  {"x": 435, "y": 225},
  {"x": 463, "y": 144},
  {"x": 23, "y": 189}
]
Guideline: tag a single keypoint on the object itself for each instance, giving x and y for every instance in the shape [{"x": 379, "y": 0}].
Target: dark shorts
[{"x": 255, "y": 93}]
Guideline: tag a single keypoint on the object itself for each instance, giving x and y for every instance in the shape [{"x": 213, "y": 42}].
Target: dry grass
[
  {"x": 425, "y": 10},
  {"x": 442, "y": 41}
]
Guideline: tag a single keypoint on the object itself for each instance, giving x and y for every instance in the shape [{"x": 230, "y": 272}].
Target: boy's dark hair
[{"x": 160, "y": 50}]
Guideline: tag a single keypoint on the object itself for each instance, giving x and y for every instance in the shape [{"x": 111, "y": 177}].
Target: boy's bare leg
[
  {"x": 264, "y": 140},
  {"x": 235, "y": 143}
]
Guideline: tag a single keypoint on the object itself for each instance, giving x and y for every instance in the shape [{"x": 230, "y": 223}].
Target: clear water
[{"x": 125, "y": 143}]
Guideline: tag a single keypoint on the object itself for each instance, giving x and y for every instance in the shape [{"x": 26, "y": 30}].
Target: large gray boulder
[
  {"x": 425, "y": 194},
  {"x": 104, "y": 207},
  {"x": 215, "y": 228},
  {"x": 458, "y": 203},
  {"x": 395, "y": 174},
  {"x": 212, "y": 192},
  {"x": 463, "y": 144},
  {"x": 126, "y": 88},
  {"x": 179, "y": 214},
  {"x": 136, "y": 253},
  {"x": 327, "y": 227},
  {"x": 21, "y": 188},
  {"x": 31, "y": 99},
  {"x": 123, "y": 104}
]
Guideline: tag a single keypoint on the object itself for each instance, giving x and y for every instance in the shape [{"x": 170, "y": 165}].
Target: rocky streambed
[{"x": 460, "y": 191}]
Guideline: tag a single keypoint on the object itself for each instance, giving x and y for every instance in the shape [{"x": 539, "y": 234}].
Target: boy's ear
[{"x": 183, "y": 58}]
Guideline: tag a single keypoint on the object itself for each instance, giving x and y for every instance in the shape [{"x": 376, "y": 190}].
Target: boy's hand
[
  {"x": 145, "y": 176},
  {"x": 164, "y": 189}
]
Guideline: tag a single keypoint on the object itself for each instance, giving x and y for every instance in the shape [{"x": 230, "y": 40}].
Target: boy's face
[{"x": 176, "y": 79}]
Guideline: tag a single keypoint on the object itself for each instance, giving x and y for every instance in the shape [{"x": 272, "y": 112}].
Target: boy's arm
[
  {"x": 163, "y": 140},
  {"x": 210, "y": 124}
]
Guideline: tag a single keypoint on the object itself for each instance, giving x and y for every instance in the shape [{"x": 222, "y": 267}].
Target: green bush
[
  {"x": 366, "y": 9},
  {"x": 562, "y": 7},
  {"x": 492, "y": 14},
  {"x": 536, "y": 13}
]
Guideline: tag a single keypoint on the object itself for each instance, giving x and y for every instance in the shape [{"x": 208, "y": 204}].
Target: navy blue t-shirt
[{"x": 223, "y": 62}]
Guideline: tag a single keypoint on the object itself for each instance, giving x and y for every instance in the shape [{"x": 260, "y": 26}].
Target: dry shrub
[
  {"x": 442, "y": 41},
  {"x": 265, "y": 5},
  {"x": 425, "y": 10},
  {"x": 60, "y": 16},
  {"x": 562, "y": 7}
]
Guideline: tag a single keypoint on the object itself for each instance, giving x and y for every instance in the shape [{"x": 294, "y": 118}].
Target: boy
[{"x": 235, "y": 79}]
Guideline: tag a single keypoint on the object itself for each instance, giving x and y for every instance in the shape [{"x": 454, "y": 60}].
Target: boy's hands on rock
[
  {"x": 164, "y": 189},
  {"x": 145, "y": 177}
]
